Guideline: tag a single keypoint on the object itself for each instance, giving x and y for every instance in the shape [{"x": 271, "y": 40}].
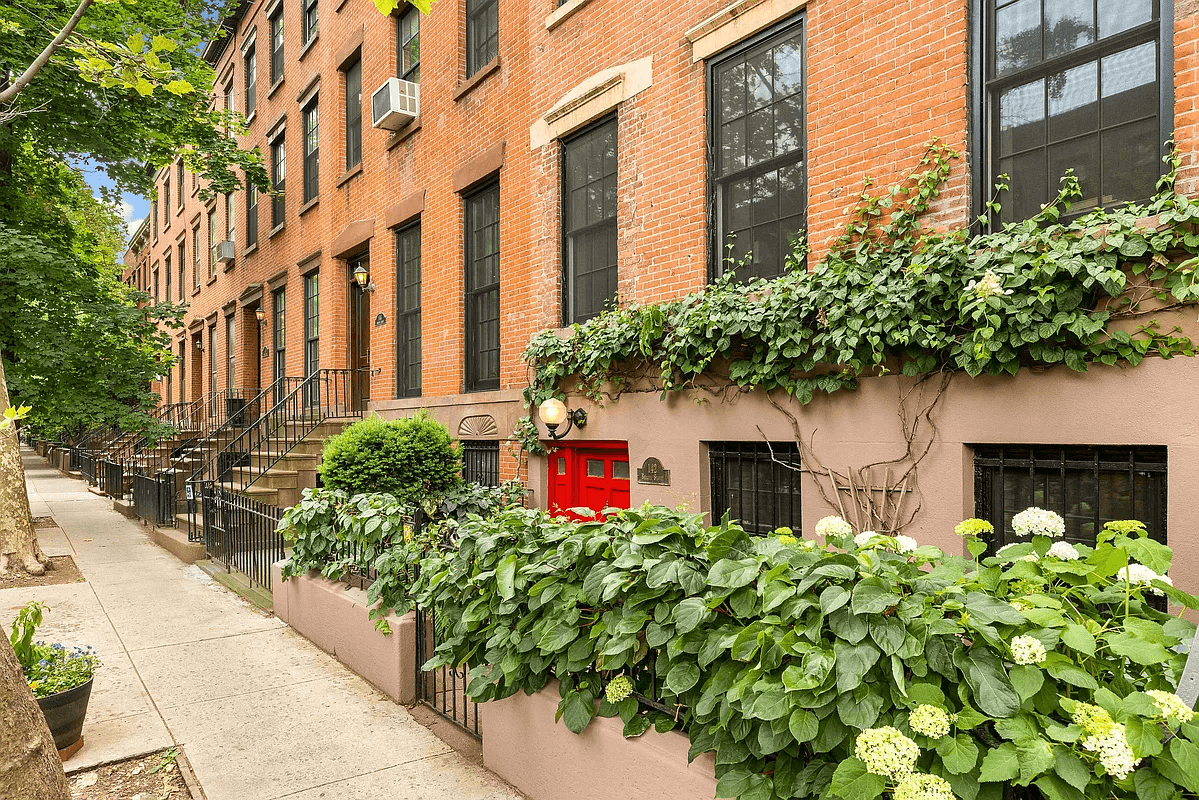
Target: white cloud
[{"x": 131, "y": 226}]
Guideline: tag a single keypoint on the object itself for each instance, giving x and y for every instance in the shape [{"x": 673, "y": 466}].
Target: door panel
[
  {"x": 588, "y": 475},
  {"x": 360, "y": 338}
]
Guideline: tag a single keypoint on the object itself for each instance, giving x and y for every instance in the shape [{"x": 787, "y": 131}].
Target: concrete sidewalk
[{"x": 262, "y": 713}]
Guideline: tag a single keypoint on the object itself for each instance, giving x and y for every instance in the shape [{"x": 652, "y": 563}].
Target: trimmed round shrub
[{"x": 409, "y": 458}]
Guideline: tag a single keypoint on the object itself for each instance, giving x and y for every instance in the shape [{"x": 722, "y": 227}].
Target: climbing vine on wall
[{"x": 896, "y": 294}]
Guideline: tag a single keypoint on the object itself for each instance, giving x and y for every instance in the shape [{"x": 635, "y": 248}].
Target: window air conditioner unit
[
  {"x": 222, "y": 252},
  {"x": 395, "y": 104}
]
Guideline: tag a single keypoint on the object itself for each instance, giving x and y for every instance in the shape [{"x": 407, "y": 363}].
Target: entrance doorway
[
  {"x": 588, "y": 477},
  {"x": 360, "y": 336}
]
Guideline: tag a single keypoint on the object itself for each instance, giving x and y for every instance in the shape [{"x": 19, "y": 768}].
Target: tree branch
[{"x": 9, "y": 94}]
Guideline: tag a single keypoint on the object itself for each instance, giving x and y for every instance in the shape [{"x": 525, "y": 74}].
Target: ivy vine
[{"x": 895, "y": 293}]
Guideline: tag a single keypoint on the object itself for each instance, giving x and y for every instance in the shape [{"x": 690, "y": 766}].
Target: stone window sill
[
  {"x": 404, "y": 133},
  {"x": 275, "y": 230},
  {"x": 304, "y": 50},
  {"x": 464, "y": 89},
  {"x": 562, "y": 12},
  {"x": 311, "y": 204},
  {"x": 250, "y": 250},
  {"x": 352, "y": 172},
  {"x": 271, "y": 92}
]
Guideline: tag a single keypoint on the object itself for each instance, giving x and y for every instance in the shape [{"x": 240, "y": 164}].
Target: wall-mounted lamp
[
  {"x": 362, "y": 278},
  {"x": 553, "y": 412},
  {"x": 200, "y": 344},
  {"x": 260, "y": 314}
]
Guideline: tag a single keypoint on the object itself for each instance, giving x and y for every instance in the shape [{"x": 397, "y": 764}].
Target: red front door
[{"x": 588, "y": 475}]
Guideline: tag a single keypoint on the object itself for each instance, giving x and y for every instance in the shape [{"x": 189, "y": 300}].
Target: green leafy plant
[
  {"x": 852, "y": 668},
  {"x": 410, "y": 458},
  {"x": 49, "y": 668},
  {"x": 895, "y": 294}
]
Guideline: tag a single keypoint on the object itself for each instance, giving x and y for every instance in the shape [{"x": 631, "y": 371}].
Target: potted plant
[{"x": 60, "y": 677}]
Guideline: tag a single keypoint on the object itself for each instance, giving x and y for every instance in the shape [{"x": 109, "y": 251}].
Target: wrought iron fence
[
  {"x": 443, "y": 689},
  {"x": 112, "y": 479},
  {"x": 153, "y": 497},
  {"x": 239, "y": 532},
  {"x": 87, "y": 467}
]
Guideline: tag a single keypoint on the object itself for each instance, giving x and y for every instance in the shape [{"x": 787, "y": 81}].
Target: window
[
  {"x": 312, "y": 326},
  {"x": 230, "y": 218},
  {"x": 182, "y": 269},
  {"x": 589, "y": 222},
  {"x": 408, "y": 328},
  {"x": 211, "y": 243},
  {"x": 483, "y": 289},
  {"x": 154, "y": 217},
  {"x": 195, "y": 181},
  {"x": 251, "y": 216},
  {"x": 757, "y": 483},
  {"x": 758, "y": 153},
  {"x": 277, "y": 45},
  {"x": 196, "y": 257},
  {"x": 251, "y": 70},
  {"x": 155, "y": 273},
  {"x": 1073, "y": 84},
  {"x": 170, "y": 388},
  {"x": 354, "y": 114},
  {"x": 311, "y": 151},
  {"x": 481, "y": 462},
  {"x": 1088, "y": 486},
  {"x": 179, "y": 172},
  {"x": 212, "y": 357},
  {"x": 229, "y": 96},
  {"x": 308, "y": 26},
  {"x": 183, "y": 371},
  {"x": 166, "y": 273},
  {"x": 408, "y": 46},
  {"x": 279, "y": 332},
  {"x": 231, "y": 350},
  {"x": 278, "y": 180},
  {"x": 482, "y": 34},
  {"x": 166, "y": 204}
]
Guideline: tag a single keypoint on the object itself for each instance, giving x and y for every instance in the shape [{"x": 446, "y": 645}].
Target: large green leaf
[
  {"x": 682, "y": 676},
  {"x": 730, "y": 574},
  {"x": 851, "y": 781},
  {"x": 993, "y": 692},
  {"x": 959, "y": 754},
  {"x": 1000, "y": 764},
  {"x": 872, "y": 595}
]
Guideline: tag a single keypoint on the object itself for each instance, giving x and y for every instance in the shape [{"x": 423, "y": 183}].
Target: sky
[{"x": 133, "y": 208}]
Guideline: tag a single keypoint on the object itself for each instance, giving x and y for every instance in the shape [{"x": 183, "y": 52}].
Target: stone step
[{"x": 273, "y": 478}]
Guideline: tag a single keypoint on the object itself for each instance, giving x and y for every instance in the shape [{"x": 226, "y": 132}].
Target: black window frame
[
  {"x": 718, "y": 240},
  {"x": 250, "y": 68},
  {"x": 481, "y": 461},
  {"x": 211, "y": 243},
  {"x": 195, "y": 256},
  {"x": 166, "y": 273},
  {"x": 353, "y": 111},
  {"x": 310, "y": 130},
  {"x": 408, "y": 32},
  {"x": 277, "y": 42},
  {"x": 279, "y": 180},
  {"x": 782, "y": 459},
  {"x": 476, "y": 379},
  {"x": 607, "y": 225},
  {"x": 312, "y": 322},
  {"x": 154, "y": 216},
  {"x": 995, "y": 464},
  {"x": 984, "y": 91},
  {"x": 309, "y": 21},
  {"x": 166, "y": 202},
  {"x": 409, "y": 364},
  {"x": 182, "y": 266},
  {"x": 251, "y": 216},
  {"x": 180, "y": 171},
  {"x": 231, "y": 350},
  {"x": 480, "y": 53},
  {"x": 279, "y": 333},
  {"x": 212, "y": 370}
]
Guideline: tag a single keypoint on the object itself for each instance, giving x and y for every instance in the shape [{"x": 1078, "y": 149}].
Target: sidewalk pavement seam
[
  {"x": 151, "y": 647},
  {"x": 272, "y": 688},
  {"x": 363, "y": 774}
]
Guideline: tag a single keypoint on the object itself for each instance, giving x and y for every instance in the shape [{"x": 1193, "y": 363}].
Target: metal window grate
[
  {"x": 481, "y": 462},
  {"x": 1088, "y": 486},
  {"x": 758, "y": 483}
]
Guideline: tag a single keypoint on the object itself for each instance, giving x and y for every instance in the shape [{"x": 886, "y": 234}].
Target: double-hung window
[
  {"x": 183, "y": 269},
  {"x": 212, "y": 373},
  {"x": 757, "y": 484},
  {"x": 308, "y": 23},
  {"x": 196, "y": 256},
  {"x": 154, "y": 217},
  {"x": 251, "y": 215},
  {"x": 408, "y": 45},
  {"x": 230, "y": 218},
  {"x": 758, "y": 154},
  {"x": 312, "y": 332},
  {"x": 179, "y": 172},
  {"x": 231, "y": 350},
  {"x": 354, "y": 114},
  {"x": 279, "y": 323},
  {"x": 211, "y": 243},
  {"x": 251, "y": 70},
  {"x": 482, "y": 34},
  {"x": 167, "y": 276},
  {"x": 278, "y": 179},
  {"x": 311, "y": 150},
  {"x": 589, "y": 222},
  {"x": 166, "y": 204},
  {"x": 276, "y": 22},
  {"x": 1074, "y": 84},
  {"x": 483, "y": 289},
  {"x": 408, "y": 327}
]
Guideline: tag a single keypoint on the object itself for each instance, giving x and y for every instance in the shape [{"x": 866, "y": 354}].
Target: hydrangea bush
[{"x": 825, "y": 668}]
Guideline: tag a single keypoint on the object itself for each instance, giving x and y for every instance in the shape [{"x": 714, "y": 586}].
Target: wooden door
[
  {"x": 587, "y": 477},
  {"x": 360, "y": 339}
]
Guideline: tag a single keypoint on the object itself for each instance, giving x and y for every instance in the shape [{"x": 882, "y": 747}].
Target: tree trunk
[
  {"x": 18, "y": 543},
  {"x": 30, "y": 768}
]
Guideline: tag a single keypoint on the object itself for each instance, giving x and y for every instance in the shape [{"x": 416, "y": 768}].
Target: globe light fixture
[{"x": 553, "y": 413}]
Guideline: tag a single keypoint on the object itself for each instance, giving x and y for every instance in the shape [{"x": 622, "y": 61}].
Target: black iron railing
[
  {"x": 240, "y": 533},
  {"x": 443, "y": 689},
  {"x": 154, "y": 498},
  {"x": 87, "y": 467},
  {"x": 112, "y": 478}
]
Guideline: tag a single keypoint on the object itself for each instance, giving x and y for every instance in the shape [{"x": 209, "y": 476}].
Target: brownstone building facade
[{"x": 566, "y": 155}]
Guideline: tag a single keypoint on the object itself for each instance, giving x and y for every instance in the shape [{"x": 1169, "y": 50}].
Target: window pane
[
  {"x": 1082, "y": 155},
  {"x": 1073, "y": 102},
  {"x": 1022, "y": 118},
  {"x": 1120, "y": 15},
  {"x": 620, "y": 470},
  {"x": 595, "y": 468},
  {"x": 732, "y": 92},
  {"x": 1017, "y": 36},
  {"x": 756, "y": 484},
  {"x": 1069, "y": 25},
  {"x": 1130, "y": 85},
  {"x": 1028, "y": 185},
  {"x": 1131, "y": 155}
]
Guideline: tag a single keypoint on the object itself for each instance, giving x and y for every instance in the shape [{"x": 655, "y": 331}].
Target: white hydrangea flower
[
  {"x": 930, "y": 721},
  {"x": 922, "y": 786},
  {"x": 1027, "y": 650},
  {"x": 988, "y": 285},
  {"x": 1171, "y": 707},
  {"x": 1063, "y": 551},
  {"x": 1113, "y": 751},
  {"x": 833, "y": 526},
  {"x": 1141, "y": 575},
  {"x": 863, "y": 538},
  {"x": 1038, "y": 522},
  {"x": 906, "y": 543},
  {"x": 1093, "y": 719},
  {"x": 886, "y": 751}
]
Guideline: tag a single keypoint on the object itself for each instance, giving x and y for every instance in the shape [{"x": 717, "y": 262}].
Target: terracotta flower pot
[{"x": 64, "y": 712}]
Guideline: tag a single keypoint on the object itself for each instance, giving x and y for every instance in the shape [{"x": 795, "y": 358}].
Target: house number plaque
[{"x": 652, "y": 473}]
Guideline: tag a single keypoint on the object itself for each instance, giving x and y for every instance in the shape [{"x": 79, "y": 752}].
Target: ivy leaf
[{"x": 851, "y": 781}]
